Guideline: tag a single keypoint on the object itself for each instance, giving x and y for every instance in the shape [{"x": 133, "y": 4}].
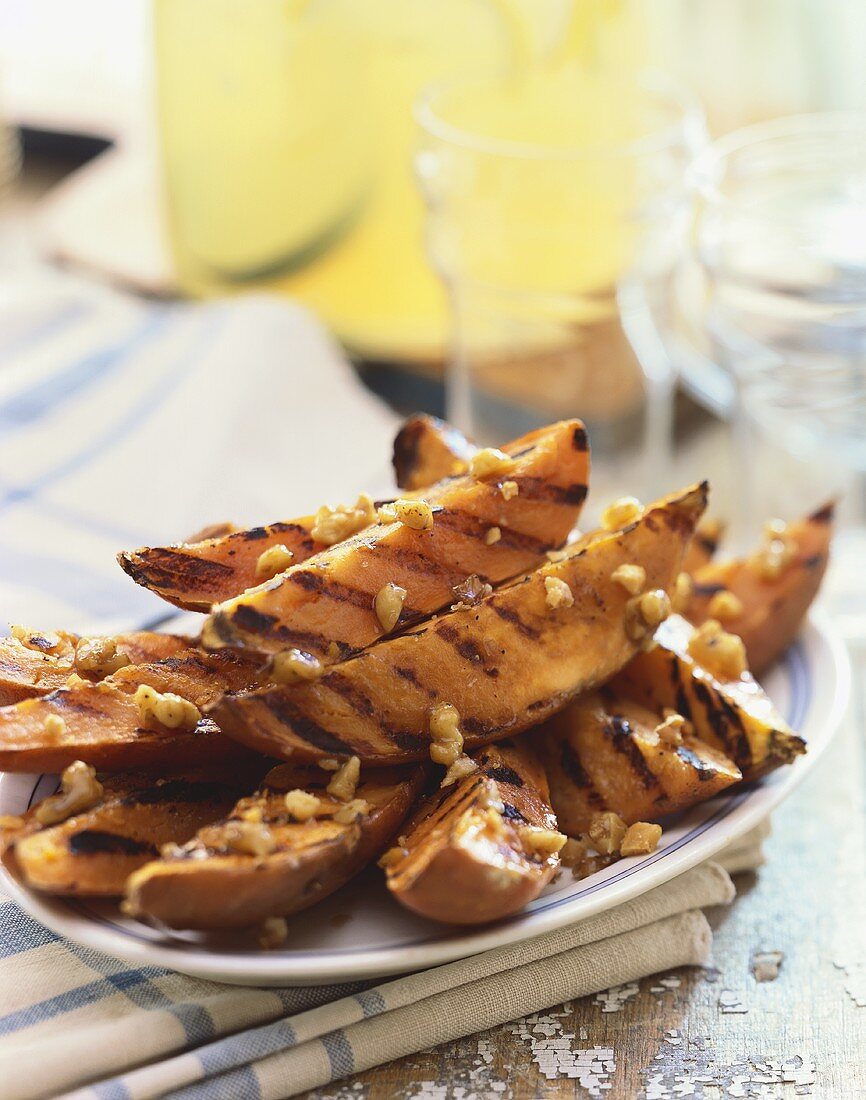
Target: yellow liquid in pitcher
[{"x": 288, "y": 137}]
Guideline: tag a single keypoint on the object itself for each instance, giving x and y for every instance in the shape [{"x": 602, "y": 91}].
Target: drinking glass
[
  {"x": 556, "y": 211},
  {"x": 768, "y": 322}
]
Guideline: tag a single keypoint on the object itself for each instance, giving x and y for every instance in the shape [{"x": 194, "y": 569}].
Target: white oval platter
[{"x": 360, "y": 932}]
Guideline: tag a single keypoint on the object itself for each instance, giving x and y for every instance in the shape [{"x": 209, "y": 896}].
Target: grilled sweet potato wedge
[
  {"x": 195, "y": 575},
  {"x": 208, "y": 884},
  {"x": 102, "y": 725},
  {"x": 734, "y": 716},
  {"x": 704, "y": 545},
  {"x": 603, "y": 752},
  {"x": 505, "y": 664},
  {"x": 93, "y": 853},
  {"x": 38, "y": 663},
  {"x": 774, "y": 603},
  {"x": 426, "y": 450},
  {"x": 481, "y": 848},
  {"x": 325, "y": 606}
]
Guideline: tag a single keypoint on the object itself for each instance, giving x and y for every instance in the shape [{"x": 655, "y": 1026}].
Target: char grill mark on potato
[
  {"x": 330, "y": 597},
  {"x": 206, "y": 884},
  {"x": 604, "y": 753},
  {"x": 103, "y": 726},
  {"x": 196, "y": 575},
  {"x": 369, "y": 706}
]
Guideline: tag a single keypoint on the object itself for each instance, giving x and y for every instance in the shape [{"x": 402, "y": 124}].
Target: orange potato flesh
[
  {"x": 505, "y": 664},
  {"x": 602, "y": 753},
  {"x": 773, "y": 610},
  {"x": 465, "y": 863},
  {"x": 195, "y": 575},
  {"x": 325, "y": 606},
  {"x": 426, "y": 450},
  {"x": 208, "y": 886},
  {"x": 704, "y": 545}
]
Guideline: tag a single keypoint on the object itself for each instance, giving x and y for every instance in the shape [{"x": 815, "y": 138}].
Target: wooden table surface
[{"x": 782, "y": 1013}]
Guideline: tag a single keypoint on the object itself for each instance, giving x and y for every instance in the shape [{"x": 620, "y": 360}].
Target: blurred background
[{"x": 503, "y": 210}]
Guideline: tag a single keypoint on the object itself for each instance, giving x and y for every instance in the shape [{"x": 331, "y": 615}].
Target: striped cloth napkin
[{"x": 123, "y": 423}]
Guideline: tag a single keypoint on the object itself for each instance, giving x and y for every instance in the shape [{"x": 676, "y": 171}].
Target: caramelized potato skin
[
  {"x": 462, "y": 866},
  {"x": 426, "y": 450},
  {"x": 505, "y": 664}
]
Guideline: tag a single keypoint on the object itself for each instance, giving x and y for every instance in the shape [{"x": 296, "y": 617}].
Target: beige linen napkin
[{"x": 76, "y": 1020}]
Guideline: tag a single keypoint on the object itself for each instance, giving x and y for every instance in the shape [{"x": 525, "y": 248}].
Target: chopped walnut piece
[
  {"x": 416, "y": 514},
  {"x": 276, "y": 559},
  {"x": 170, "y": 710},
  {"x": 329, "y": 764},
  {"x": 388, "y": 605},
  {"x": 683, "y": 590},
  {"x": 45, "y": 641},
  {"x": 545, "y": 842},
  {"x": 721, "y": 653},
  {"x": 447, "y": 740},
  {"x": 493, "y": 535},
  {"x": 671, "y": 730},
  {"x": 253, "y": 814},
  {"x": 272, "y": 933},
  {"x": 725, "y": 606},
  {"x": 644, "y": 613},
  {"x": 776, "y": 552},
  {"x": 345, "y": 780},
  {"x": 584, "y": 860},
  {"x": 621, "y": 513},
  {"x": 291, "y": 665},
  {"x": 73, "y": 680},
  {"x": 332, "y": 525},
  {"x": 99, "y": 656},
  {"x": 302, "y": 805},
  {"x": 489, "y": 462},
  {"x": 462, "y": 766},
  {"x": 631, "y": 577},
  {"x": 79, "y": 790},
  {"x": 249, "y": 838},
  {"x": 54, "y": 726},
  {"x": 606, "y": 831},
  {"x": 509, "y": 490},
  {"x": 354, "y": 809},
  {"x": 557, "y": 593},
  {"x": 470, "y": 592},
  {"x": 640, "y": 839},
  {"x": 391, "y": 857}
]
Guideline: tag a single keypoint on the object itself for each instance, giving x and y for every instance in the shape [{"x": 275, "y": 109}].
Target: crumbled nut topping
[
  {"x": 272, "y": 933},
  {"x": 725, "y": 606},
  {"x": 606, "y": 831},
  {"x": 777, "y": 551},
  {"x": 447, "y": 740},
  {"x": 671, "y": 730},
  {"x": 581, "y": 857},
  {"x": 416, "y": 514},
  {"x": 470, "y": 592},
  {"x": 302, "y": 805},
  {"x": 291, "y": 665},
  {"x": 276, "y": 559},
  {"x": 644, "y": 613},
  {"x": 249, "y": 838},
  {"x": 73, "y": 680},
  {"x": 719, "y": 652},
  {"x": 170, "y": 710},
  {"x": 545, "y": 842},
  {"x": 494, "y": 534},
  {"x": 490, "y": 462},
  {"x": 45, "y": 641},
  {"x": 99, "y": 656},
  {"x": 392, "y": 857},
  {"x": 631, "y": 577},
  {"x": 621, "y": 513},
  {"x": 557, "y": 593},
  {"x": 79, "y": 790},
  {"x": 509, "y": 490},
  {"x": 335, "y": 524},
  {"x": 334, "y": 652},
  {"x": 253, "y": 814},
  {"x": 557, "y": 555},
  {"x": 640, "y": 839},
  {"x": 345, "y": 780},
  {"x": 387, "y": 513},
  {"x": 462, "y": 766},
  {"x": 354, "y": 809},
  {"x": 329, "y": 764},
  {"x": 10, "y": 822},
  {"x": 388, "y": 604},
  {"x": 683, "y": 590},
  {"x": 54, "y": 726}
]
